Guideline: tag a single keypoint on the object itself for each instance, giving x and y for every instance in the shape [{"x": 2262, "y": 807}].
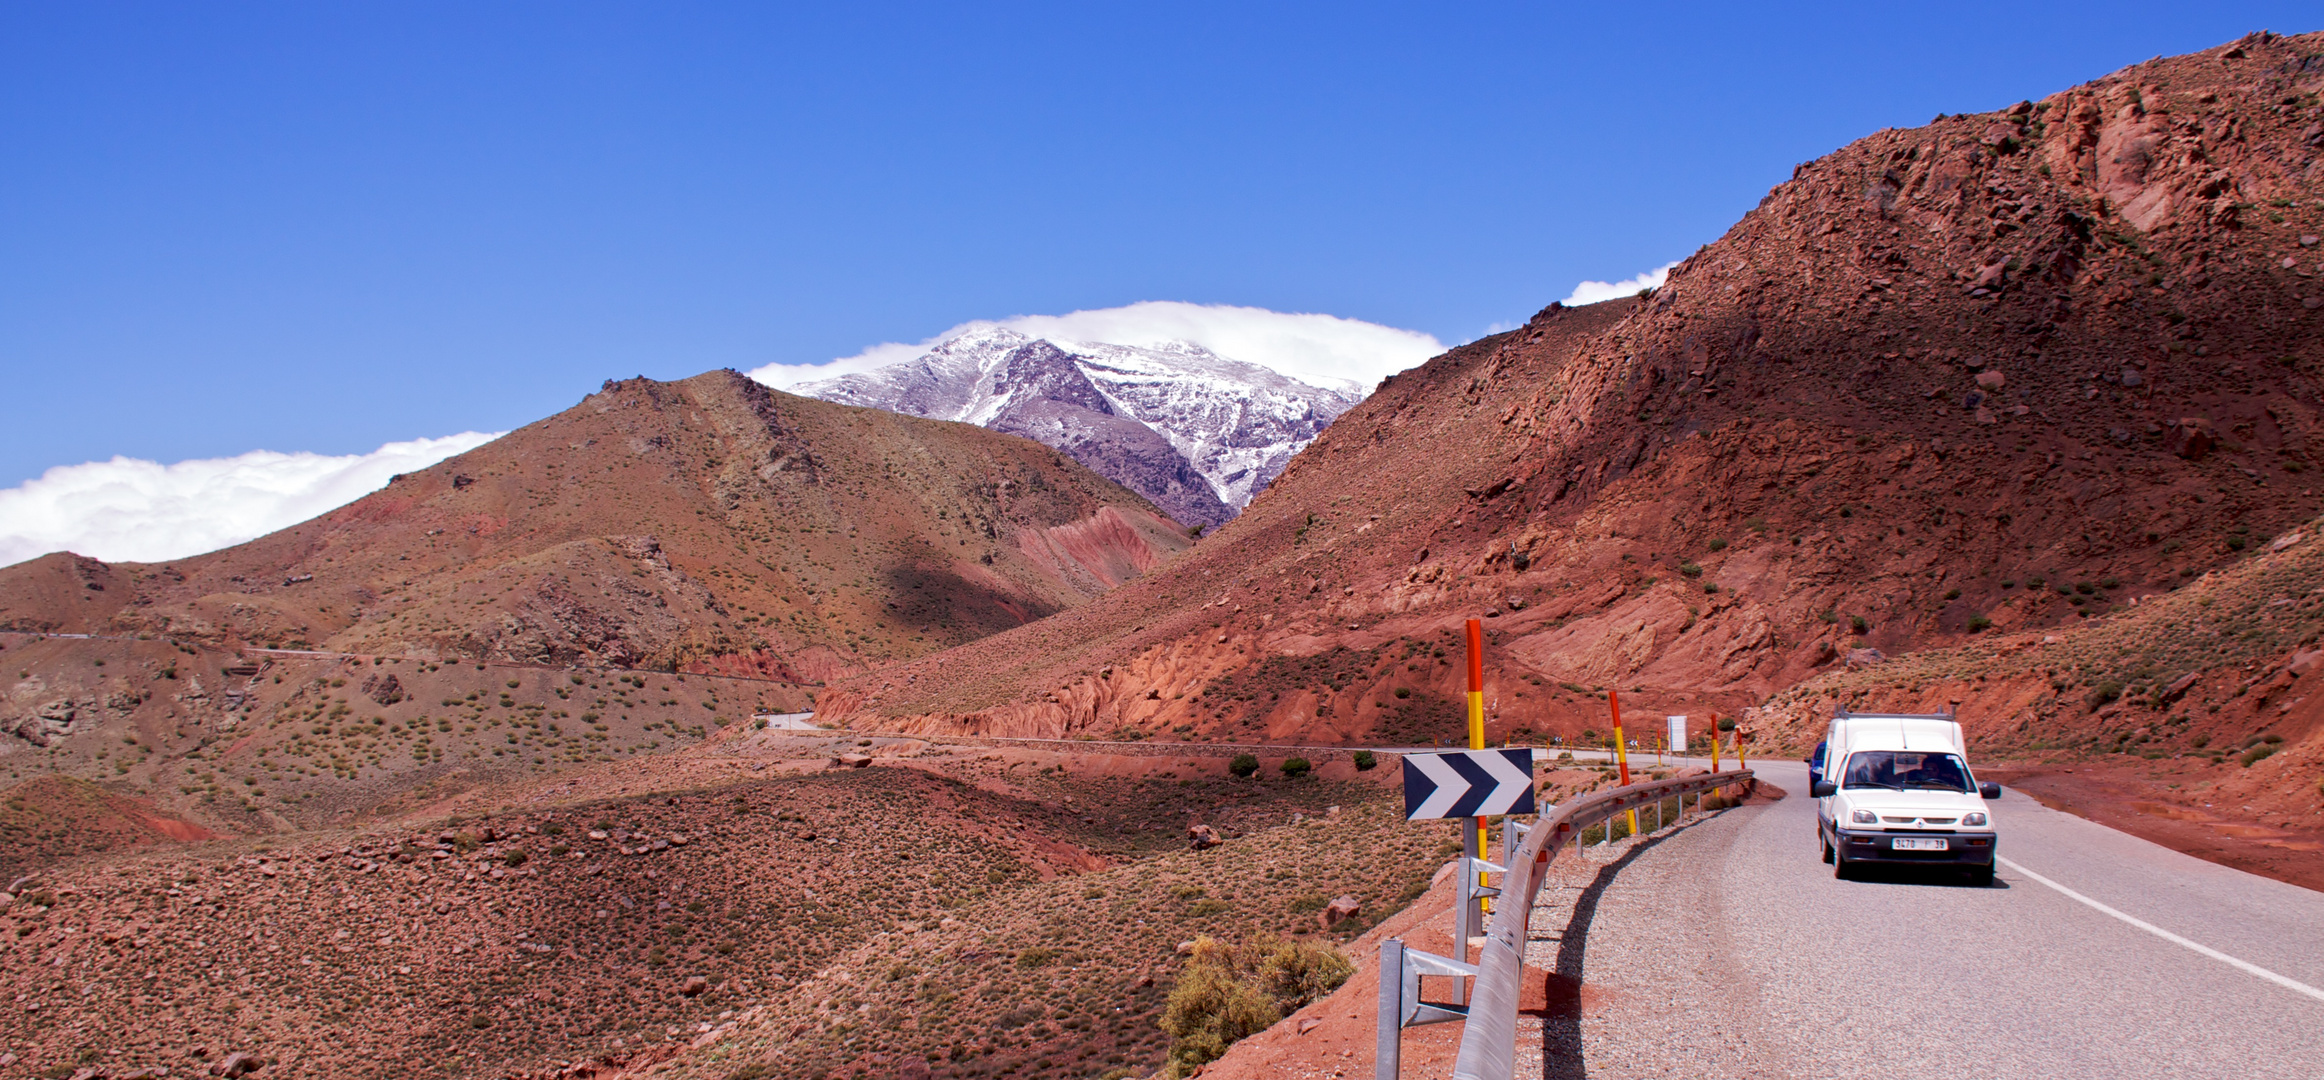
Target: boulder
[
  {"x": 1199, "y": 837},
  {"x": 695, "y": 986},
  {"x": 851, "y": 761},
  {"x": 2189, "y": 437},
  {"x": 383, "y": 689},
  {"x": 1865, "y": 657},
  {"x": 237, "y": 1064},
  {"x": 1341, "y": 909}
]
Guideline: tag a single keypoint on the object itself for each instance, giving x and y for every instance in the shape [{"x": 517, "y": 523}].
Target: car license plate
[{"x": 1919, "y": 843}]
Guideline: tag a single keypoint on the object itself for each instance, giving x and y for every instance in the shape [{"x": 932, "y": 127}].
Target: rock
[
  {"x": 1308, "y": 1023},
  {"x": 383, "y": 689},
  {"x": 1341, "y": 909},
  {"x": 695, "y": 986},
  {"x": 1199, "y": 837},
  {"x": 2133, "y": 377},
  {"x": 1991, "y": 380},
  {"x": 2190, "y": 437},
  {"x": 237, "y": 1064},
  {"x": 1865, "y": 657},
  {"x": 1186, "y": 948},
  {"x": 2308, "y": 241},
  {"x": 2284, "y": 541},
  {"x": 851, "y": 761},
  {"x": 1985, "y": 416}
]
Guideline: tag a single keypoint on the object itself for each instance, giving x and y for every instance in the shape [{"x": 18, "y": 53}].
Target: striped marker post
[
  {"x": 1477, "y": 742},
  {"x": 1621, "y": 755}
]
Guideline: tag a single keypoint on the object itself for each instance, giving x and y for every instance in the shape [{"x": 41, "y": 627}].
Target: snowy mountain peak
[{"x": 1197, "y": 433}]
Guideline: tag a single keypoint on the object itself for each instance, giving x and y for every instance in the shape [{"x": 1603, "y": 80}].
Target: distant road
[{"x": 2095, "y": 954}]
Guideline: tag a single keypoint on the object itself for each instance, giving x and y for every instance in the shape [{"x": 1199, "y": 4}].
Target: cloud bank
[
  {"x": 1316, "y": 349},
  {"x": 131, "y": 510},
  {"x": 1591, "y": 292}
]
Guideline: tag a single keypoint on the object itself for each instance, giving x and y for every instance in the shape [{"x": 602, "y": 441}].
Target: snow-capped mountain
[{"x": 1196, "y": 433}]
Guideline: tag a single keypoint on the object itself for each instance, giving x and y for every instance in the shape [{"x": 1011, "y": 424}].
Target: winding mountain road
[{"x": 1727, "y": 948}]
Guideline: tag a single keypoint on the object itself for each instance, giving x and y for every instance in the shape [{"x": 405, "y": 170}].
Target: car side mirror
[
  {"x": 1988, "y": 791},
  {"x": 1823, "y": 788}
]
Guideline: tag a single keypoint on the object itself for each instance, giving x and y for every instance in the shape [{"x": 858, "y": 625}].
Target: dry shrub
[{"x": 1227, "y": 992}]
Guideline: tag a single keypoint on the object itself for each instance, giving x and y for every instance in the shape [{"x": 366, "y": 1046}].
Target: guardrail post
[
  {"x": 1400, "y": 1004},
  {"x": 1391, "y": 1048}
]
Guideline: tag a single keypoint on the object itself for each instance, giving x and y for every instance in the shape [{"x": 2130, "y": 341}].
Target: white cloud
[
  {"x": 133, "y": 510},
  {"x": 1316, "y": 349},
  {"x": 1591, "y": 292}
]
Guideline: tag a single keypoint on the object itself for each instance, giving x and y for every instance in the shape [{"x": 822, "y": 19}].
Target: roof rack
[{"x": 1843, "y": 714}]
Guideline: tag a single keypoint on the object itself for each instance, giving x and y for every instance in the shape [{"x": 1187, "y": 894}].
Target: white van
[{"x": 1896, "y": 788}]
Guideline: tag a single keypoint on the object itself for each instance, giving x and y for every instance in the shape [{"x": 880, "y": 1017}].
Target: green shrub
[
  {"x": 1717, "y": 545},
  {"x": 1978, "y": 624},
  {"x": 1243, "y": 765},
  {"x": 1294, "y": 768},
  {"x": 514, "y": 858},
  {"x": 2256, "y": 754},
  {"x": 1364, "y": 760},
  {"x": 1857, "y": 623},
  {"x": 2104, "y": 692},
  {"x": 1403, "y": 691},
  {"x": 1690, "y": 569},
  {"x": 1036, "y": 956},
  {"x": 1227, "y": 992}
]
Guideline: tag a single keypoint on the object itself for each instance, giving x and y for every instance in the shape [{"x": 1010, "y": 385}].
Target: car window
[{"x": 1901, "y": 770}]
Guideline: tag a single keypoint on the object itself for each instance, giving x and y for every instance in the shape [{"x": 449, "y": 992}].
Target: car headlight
[
  {"x": 1973, "y": 818},
  {"x": 1864, "y": 817}
]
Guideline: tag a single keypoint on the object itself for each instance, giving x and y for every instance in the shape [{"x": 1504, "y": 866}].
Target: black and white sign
[{"x": 1468, "y": 783}]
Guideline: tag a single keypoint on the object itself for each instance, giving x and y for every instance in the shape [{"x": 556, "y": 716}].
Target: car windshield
[{"x": 1899, "y": 770}]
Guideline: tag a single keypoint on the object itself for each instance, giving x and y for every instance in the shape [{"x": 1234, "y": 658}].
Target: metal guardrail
[{"x": 1489, "y": 1042}]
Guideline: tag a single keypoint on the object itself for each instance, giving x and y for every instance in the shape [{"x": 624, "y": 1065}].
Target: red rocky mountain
[{"x": 2069, "y": 341}]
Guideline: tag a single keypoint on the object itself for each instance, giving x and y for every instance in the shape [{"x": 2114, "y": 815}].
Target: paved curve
[{"x": 1728, "y": 949}]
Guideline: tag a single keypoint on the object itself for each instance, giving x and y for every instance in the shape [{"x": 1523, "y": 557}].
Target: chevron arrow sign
[{"x": 1468, "y": 783}]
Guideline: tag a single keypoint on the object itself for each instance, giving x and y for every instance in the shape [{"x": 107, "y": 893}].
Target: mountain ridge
[{"x": 1198, "y": 434}]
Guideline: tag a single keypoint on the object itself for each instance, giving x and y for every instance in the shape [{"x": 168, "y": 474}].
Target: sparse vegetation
[{"x": 1225, "y": 993}]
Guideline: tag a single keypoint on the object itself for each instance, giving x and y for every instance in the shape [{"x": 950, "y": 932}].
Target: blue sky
[{"x": 322, "y": 227}]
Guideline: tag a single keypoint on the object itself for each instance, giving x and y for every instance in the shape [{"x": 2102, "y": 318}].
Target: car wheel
[
  {"x": 1827, "y": 851},
  {"x": 1842, "y": 869},
  {"x": 1982, "y": 877}
]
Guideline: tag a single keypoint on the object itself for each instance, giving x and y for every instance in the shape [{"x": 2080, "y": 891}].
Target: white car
[{"x": 1896, "y": 789}]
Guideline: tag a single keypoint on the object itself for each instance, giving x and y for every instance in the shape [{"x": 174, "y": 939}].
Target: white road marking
[{"x": 2246, "y": 965}]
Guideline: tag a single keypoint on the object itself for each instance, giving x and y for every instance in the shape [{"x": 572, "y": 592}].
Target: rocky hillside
[
  {"x": 2074, "y": 340},
  {"x": 709, "y": 525},
  {"x": 936, "y": 914},
  {"x": 1195, "y": 432}
]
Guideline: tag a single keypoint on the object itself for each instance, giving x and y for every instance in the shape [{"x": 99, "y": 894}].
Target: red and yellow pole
[
  {"x": 1714, "y": 747},
  {"x": 1621, "y": 754},
  {"x": 1477, "y": 720}
]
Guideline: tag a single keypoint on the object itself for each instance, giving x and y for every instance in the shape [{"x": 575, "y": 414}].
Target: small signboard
[
  {"x": 1678, "y": 734},
  {"x": 1468, "y": 783}
]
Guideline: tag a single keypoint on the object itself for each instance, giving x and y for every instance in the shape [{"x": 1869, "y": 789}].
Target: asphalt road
[{"x": 1728, "y": 949}]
